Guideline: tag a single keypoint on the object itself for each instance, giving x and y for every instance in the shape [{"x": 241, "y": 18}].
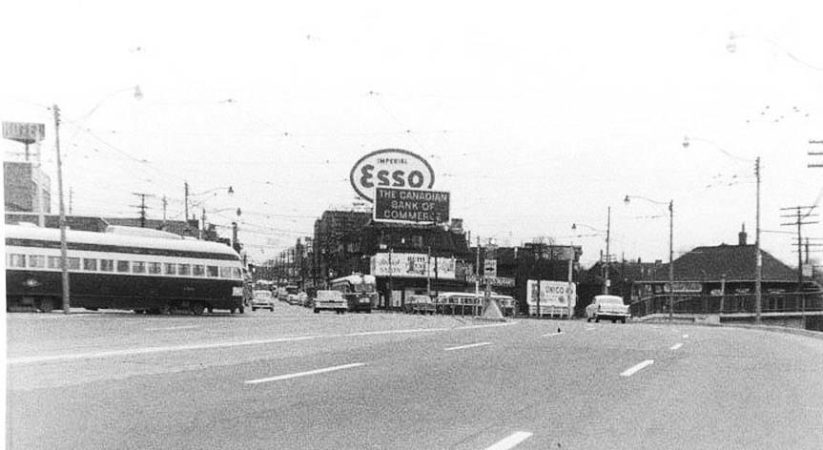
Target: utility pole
[
  {"x": 165, "y": 205},
  {"x": 142, "y": 207},
  {"x": 607, "y": 283},
  {"x": 64, "y": 259},
  {"x": 758, "y": 271},
  {"x": 186, "y": 199},
  {"x": 800, "y": 213},
  {"x": 71, "y": 199}
]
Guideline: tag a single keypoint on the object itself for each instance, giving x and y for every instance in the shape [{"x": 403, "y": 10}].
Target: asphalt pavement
[{"x": 293, "y": 379}]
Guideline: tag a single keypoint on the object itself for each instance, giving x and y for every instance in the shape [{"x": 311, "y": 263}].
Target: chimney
[{"x": 741, "y": 237}]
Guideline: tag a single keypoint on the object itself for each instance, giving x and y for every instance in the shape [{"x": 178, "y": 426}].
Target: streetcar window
[
  {"x": 90, "y": 264},
  {"x": 123, "y": 266},
  {"x": 171, "y": 268},
  {"x": 236, "y": 273},
  {"x": 106, "y": 265},
  {"x": 154, "y": 267},
  {"x": 183, "y": 269},
  {"x": 211, "y": 271},
  {"x": 225, "y": 272},
  {"x": 37, "y": 261},
  {"x": 138, "y": 267},
  {"x": 197, "y": 270},
  {"x": 54, "y": 262},
  {"x": 17, "y": 260},
  {"x": 74, "y": 263}
]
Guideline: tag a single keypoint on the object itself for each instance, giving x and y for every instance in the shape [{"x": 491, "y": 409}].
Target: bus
[
  {"x": 151, "y": 274},
  {"x": 360, "y": 291}
]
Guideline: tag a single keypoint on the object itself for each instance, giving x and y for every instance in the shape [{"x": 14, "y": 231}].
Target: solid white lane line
[
  {"x": 304, "y": 374},
  {"x": 591, "y": 329},
  {"x": 461, "y": 347},
  {"x": 552, "y": 334},
  {"x": 676, "y": 346},
  {"x": 511, "y": 441},
  {"x": 685, "y": 336},
  {"x": 149, "y": 350},
  {"x": 631, "y": 371},
  {"x": 173, "y": 328}
]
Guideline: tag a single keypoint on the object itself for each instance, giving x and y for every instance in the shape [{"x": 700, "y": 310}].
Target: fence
[{"x": 794, "y": 302}]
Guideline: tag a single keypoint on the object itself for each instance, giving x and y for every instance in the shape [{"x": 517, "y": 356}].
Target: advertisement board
[
  {"x": 390, "y": 168},
  {"x": 552, "y": 293},
  {"x": 409, "y": 205},
  {"x": 412, "y": 265},
  {"x": 28, "y": 133}
]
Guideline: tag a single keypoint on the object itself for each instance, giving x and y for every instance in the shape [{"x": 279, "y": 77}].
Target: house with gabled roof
[{"x": 709, "y": 279}]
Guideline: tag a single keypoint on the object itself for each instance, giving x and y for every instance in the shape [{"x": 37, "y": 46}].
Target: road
[{"x": 293, "y": 379}]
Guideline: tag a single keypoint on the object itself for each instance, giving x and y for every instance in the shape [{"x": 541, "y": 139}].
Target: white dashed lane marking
[
  {"x": 304, "y": 374},
  {"x": 511, "y": 441},
  {"x": 461, "y": 347},
  {"x": 552, "y": 334},
  {"x": 633, "y": 370},
  {"x": 676, "y": 346},
  {"x": 173, "y": 328}
]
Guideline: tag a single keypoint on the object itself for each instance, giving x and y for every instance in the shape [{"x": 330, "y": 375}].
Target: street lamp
[
  {"x": 670, "y": 203},
  {"x": 758, "y": 276},
  {"x": 606, "y": 281}
]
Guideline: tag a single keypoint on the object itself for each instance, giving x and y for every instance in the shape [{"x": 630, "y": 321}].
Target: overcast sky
[{"x": 533, "y": 116}]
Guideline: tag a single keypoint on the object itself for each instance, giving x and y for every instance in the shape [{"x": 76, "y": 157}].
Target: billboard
[
  {"x": 27, "y": 133},
  {"x": 390, "y": 168},
  {"x": 552, "y": 293},
  {"x": 409, "y": 205},
  {"x": 412, "y": 265}
]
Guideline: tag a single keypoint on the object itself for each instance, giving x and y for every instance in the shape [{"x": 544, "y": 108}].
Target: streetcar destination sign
[
  {"x": 390, "y": 168},
  {"x": 410, "y": 205}
]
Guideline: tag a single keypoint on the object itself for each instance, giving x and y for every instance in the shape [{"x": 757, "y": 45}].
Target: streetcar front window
[
  {"x": 37, "y": 261},
  {"x": 236, "y": 273},
  {"x": 225, "y": 272}
]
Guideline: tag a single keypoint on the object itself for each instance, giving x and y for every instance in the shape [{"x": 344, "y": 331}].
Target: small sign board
[
  {"x": 490, "y": 268},
  {"x": 27, "y": 133},
  {"x": 411, "y": 205}
]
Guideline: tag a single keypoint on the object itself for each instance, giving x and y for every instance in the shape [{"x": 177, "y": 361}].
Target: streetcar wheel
[
  {"x": 197, "y": 308},
  {"x": 210, "y": 309},
  {"x": 233, "y": 310},
  {"x": 254, "y": 309},
  {"x": 46, "y": 305}
]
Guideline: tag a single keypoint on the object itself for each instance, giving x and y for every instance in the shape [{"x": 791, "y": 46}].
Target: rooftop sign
[
  {"x": 27, "y": 133},
  {"x": 409, "y": 205},
  {"x": 393, "y": 168}
]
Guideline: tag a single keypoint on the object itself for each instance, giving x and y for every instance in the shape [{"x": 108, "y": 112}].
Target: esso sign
[{"x": 390, "y": 168}]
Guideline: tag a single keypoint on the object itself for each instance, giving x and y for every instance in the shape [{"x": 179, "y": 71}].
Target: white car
[
  {"x": 607, "y": 307},
  {"x": 263, "y": 300},
  {"x": 330, "y": 300}
]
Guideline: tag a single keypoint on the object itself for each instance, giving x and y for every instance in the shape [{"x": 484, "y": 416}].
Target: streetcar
[
  {"x": 126, "y": 270},
  {"x": 360, "y": 291}
]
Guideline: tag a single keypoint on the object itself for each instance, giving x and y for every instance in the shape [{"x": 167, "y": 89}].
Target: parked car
[
  {"x": 330, "y": 300},
  {"x": 262, "y": 299},
  {"x": 420, "y": 304},
  {"x": 607, "y": 307}
]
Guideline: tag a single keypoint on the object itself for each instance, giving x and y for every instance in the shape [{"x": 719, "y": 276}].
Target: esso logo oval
[{"x": 390, "y": 168}]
